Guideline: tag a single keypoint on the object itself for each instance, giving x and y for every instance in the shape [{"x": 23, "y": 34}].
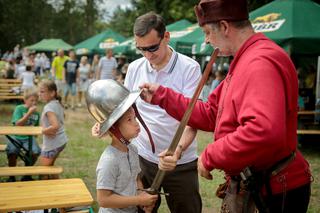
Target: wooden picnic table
[
  {"x": 22, "y": 130},
  {"x": 44, "y": 194}
]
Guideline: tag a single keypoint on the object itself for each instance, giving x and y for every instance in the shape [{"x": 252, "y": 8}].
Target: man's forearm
[{"x": 187, "y": 138}]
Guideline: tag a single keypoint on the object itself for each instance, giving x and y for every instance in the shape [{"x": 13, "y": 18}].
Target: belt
[
  {"x": 274, "y": 169},
  {"x": 280, "y": 165}
]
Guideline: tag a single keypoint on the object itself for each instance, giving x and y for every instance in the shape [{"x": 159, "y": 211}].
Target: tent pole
[
  {"x": 318, "y": 80},
  {"x": 317, "y": 105}
]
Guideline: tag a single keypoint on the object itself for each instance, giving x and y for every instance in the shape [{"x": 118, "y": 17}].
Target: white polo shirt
[{"x": 182, "y": 74}]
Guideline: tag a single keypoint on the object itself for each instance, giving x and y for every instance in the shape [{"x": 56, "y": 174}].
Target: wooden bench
[
  {"x": 308, "y": 131},
  {"x": 44, "y": 194},
  {"x": 6, "y": 86},
  {"x": 308, "y": 112},
  {"x": 3, "y": 147},
  {"x": 30, "y": 170}
]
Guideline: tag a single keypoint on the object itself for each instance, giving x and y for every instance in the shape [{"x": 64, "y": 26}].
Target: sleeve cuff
[{"x": 158, "y": 95}]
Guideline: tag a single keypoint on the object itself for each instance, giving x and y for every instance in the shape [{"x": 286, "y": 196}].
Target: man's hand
[
  {"x": 95, "y": 130},
  {"x": 148, "y": 91},
  {"x": 167, "y": 162},
  {"x": 202, "y": 171}
]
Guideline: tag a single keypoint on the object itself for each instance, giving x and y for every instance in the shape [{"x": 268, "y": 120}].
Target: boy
[
  {"x": 24, "y": 115},
  {"x": 118, "y": 169}
]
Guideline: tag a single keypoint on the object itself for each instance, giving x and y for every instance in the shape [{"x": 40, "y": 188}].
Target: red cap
[{"x": 208, "y": 11}]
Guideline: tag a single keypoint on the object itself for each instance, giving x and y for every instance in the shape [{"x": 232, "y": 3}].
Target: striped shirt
[{"x": 106, "y": 65}]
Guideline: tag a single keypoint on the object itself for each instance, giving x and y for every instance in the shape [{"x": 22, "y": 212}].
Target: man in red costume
[{"x": 253, "y": 112}]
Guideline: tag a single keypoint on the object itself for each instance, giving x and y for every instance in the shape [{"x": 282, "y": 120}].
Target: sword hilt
[{"x": 153, "y": 192}]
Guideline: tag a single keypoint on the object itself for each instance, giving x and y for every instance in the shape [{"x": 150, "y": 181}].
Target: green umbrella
[
  {"x": 50, "y": 45},
  {"x": 100, "y": 42},
  {"x": 293, "y": 24}
]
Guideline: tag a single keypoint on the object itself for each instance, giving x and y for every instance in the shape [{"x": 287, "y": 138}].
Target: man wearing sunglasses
[{"x": 161, "y": 64}]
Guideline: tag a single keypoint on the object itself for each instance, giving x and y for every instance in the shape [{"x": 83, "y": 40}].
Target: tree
[
  {"x": 27, "y": 22},
  {"x": 23, "y": 21}
]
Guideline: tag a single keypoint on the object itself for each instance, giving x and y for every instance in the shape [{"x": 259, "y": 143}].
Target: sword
[{"x": 154, "y": 189}]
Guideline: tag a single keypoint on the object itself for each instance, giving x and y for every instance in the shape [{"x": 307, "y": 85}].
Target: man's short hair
[{"x": 147, "y": 22}]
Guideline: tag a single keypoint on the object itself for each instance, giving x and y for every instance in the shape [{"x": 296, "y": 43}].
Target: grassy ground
[{"x": 80, "y": 157}]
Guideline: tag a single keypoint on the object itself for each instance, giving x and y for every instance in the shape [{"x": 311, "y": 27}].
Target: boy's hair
[{"x": 30, "y": 92}]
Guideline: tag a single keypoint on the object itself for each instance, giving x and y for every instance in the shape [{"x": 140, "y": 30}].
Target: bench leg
[{"x": 62, "y": 210}]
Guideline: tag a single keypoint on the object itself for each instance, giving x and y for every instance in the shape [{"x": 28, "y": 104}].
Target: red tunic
[{"x": 253, "y": 114}]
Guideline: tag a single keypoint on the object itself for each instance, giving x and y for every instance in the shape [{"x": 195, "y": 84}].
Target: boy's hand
[
  {"x": 32, "y": 109},
  {"x": 147, "y": 200},
  {"x": 95, "y": 130},
  {"x": 148, "y": 209}
]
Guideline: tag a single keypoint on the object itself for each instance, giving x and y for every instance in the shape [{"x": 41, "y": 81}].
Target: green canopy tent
[
  {"x": 98, "y": 43},
  {"x": 127, "y": 47},
  {"x": 50, "y": 45},
  {"x": 178, "y": 25},
  {"x": 293, "y": 24},
  {"x": 193, "y": 43}
]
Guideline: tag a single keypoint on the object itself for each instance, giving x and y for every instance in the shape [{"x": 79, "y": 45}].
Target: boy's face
[
  {"x": 31, "y": 101},
  {"x": 128, "y": 124}
]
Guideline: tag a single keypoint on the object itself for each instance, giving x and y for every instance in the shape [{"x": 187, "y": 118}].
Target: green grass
[{"x": 82, "y": 153}]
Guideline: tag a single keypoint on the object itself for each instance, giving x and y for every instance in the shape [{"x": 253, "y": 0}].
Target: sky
[{"x": 111, "y": 5}]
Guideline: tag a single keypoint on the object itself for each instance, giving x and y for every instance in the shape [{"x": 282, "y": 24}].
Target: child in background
[
  {"x": 52, "y": 121},
  {"x": 118, "y": 168},
  {"x": 27, "y": 78},
  {"x": 24, "y": 115},
  {"x": 84, "y": 70}
]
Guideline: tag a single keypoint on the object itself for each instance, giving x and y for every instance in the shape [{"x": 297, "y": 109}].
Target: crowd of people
[{"x": 72, "y": 74}]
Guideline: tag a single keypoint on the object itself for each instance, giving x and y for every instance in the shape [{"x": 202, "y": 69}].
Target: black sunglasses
[{"x": 151, "y": 48}]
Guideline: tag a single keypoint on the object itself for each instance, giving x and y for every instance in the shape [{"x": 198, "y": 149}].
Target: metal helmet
[{"x": 107, "y": 100}]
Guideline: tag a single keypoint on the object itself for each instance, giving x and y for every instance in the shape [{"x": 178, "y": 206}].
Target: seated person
[{"x": 24, "y": 115}]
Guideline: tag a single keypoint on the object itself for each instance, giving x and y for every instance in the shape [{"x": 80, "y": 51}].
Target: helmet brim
[{"x": 119, "y": 111}]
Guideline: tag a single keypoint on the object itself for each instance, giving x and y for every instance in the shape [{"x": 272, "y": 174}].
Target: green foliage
[{"x": 27, "y": 22}]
